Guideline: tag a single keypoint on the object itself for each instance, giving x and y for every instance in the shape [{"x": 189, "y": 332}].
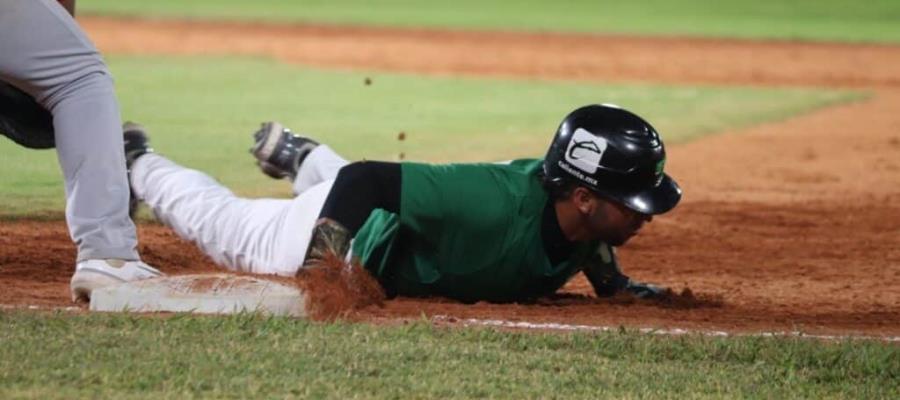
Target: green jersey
[{"x": 470, "y": 232}]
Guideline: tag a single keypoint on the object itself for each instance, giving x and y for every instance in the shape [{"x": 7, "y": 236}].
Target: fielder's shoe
[
  {"x": 95, "y": 274},
  {"x": 137, "y": 143},
  {"x": 278, "y": 151}
]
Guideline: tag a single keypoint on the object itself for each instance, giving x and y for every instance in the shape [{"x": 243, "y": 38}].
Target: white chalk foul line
[
  {"x": 655, "y": 331},
  {"x": 553, "y": 326}
]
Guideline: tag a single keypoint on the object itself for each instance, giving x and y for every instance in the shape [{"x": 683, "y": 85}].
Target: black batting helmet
[{"x": 616, "y": 154}]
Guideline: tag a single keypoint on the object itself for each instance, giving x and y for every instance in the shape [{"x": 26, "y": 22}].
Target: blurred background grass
[
  {"x": 201, "y": 111},
  {"x": 828, "y": 20}
]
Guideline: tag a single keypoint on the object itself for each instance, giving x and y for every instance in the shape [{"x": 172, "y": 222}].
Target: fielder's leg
[
  {"x": 45, "y": 54},
  {"x": 62, "y": 70}
]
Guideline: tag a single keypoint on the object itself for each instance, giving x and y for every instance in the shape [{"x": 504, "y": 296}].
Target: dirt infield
[{"x": 787, "y": 226}]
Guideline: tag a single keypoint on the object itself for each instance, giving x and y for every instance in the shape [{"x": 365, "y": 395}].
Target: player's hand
[{"x": 644, "y": 290}]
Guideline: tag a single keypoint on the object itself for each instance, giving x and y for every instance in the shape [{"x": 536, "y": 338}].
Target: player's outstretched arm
[
  {"x": 645, "y": 290},
  {"x": 607, "y": 279},
  {"x": 602, "y": 271}
]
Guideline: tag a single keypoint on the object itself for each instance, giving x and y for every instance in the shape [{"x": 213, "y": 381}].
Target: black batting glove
[
  {"x": 643, "y": 290},
  {"x": 607, "y": 286}
]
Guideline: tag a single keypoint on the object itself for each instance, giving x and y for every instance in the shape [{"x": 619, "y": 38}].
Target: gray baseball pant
[{"x": 44, "y": 53}]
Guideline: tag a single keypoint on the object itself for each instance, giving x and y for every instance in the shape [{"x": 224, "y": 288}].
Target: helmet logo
[{"x": 585, "y": 150}]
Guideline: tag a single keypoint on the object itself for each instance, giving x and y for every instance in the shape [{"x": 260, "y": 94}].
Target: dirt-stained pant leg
[
  {"x": 44, "y": 53},
  {"x": 263, "y": 236}
]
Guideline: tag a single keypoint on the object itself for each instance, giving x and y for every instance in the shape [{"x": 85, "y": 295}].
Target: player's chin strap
[{"x": 328, "y": 237}]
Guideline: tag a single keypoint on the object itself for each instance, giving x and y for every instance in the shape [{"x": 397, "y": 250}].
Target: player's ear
[{"x": 585, "y": 200}]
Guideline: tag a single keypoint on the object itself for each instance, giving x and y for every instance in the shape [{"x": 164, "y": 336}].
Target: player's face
[{"x": 614, "y": 223}]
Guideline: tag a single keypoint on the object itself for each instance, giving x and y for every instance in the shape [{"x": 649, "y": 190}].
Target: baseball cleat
[
  {"x": 278, "y": 151},
  {"x": 137, "y": 143},
  {"x": 95, "y": 274}
]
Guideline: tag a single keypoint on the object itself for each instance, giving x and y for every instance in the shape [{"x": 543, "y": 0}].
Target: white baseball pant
[{"x": 262, "y": 236}]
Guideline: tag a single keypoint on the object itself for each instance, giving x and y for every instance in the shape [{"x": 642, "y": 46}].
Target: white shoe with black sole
[{"x": 95, "y": 274}]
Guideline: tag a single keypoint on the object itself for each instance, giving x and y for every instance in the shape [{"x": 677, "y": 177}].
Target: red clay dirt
[
  {"x": 786, "y": 226},
  {"x": 335, "y": 290}
]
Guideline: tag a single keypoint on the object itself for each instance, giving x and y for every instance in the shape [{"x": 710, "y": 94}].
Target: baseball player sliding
[
  {"x": 497, "y": 232},
  {"x": 56, "y": 91}
]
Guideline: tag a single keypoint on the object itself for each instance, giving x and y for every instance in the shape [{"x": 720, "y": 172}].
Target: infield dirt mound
[{"x": 786, "y": 226}]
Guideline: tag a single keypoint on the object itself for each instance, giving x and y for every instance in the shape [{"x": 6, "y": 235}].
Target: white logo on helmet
[{"x": 585, "y": 150}]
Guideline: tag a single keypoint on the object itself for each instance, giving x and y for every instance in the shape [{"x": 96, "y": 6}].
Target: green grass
[
  {"x": 832, "y": 20},
  {"x": 201, "y": 111},
  {"x": 47, "y": 356}
]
